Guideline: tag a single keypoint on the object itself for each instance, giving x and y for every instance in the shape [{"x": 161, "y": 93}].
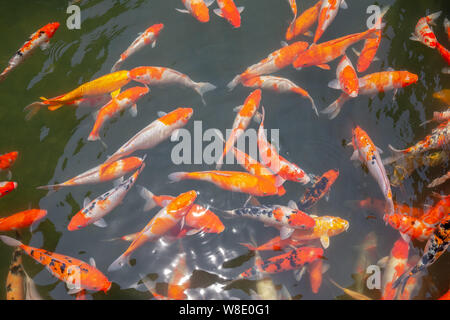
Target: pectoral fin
[
  {"x": 285, "y": 232},
  {"x": 325, "y": 241}
]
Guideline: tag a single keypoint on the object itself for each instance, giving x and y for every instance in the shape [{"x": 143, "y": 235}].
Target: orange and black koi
[{"x": 320, "y": 188}]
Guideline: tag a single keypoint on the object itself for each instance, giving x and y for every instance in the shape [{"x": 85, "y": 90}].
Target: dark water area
[{"x": 53, "y": 146}]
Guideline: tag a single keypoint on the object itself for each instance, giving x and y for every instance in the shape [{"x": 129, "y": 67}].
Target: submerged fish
[
  {"x": 228, "y": 10},
  {"x": 346, "y": 77},
  {"x": 423, "y": 32},
  {"x": 197, "y": 8},
  {"x": 328, "y": 12},
  {"x": 6, "y": 187},
  {"x": 303, "y": 23},
  {"x": 7, "y": 160},
  {"x": 22, "y": 219}
]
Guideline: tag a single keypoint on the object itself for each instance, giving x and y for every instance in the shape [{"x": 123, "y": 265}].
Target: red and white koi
[
  {"x": 423, "y": 32},
  {"x": 346, "y": 78},
  {"x": 228, "y": 10},
  {"x": 445, "y": 53},
  {"x": 410, "y": 227},
  {"x": 40, "y": 38},
  {"x": 7, "y": 160},
  {"x": 328, "y": 12},
  {"x": 197, "y": 8},
  {"x": 149, "y": 36},
  {"x": 22, "y": 219},
  {"x": 155, "y": 133},
  {"x": 6, "y": 187},
  {"x": 438, "y": 212}
]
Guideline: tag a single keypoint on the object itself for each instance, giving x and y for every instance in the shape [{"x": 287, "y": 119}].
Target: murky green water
[{"x": 53, "y": 145}]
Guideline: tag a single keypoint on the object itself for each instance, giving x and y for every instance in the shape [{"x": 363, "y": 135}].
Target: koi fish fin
[
  {"x": 323, "y": 66},
  {"x": 446, "y": 70},
  {"x": 55, "y": 107},
  {"x": 86, "y": 202},
  {"x": 9, "y": 175},
  {"x": 254, "y": 295},
  {"x": 284, "y": 44},
  {"x": 101, "y": 223},
  {"x": 154, "y": 44},
  {"x": 325, "y": 241},
  {"x": 405, "y": 237},
  {"x": 176, "y": 176},
  {"x": 218, "y": 12},
  {"x": 45, "y": 45},
  {"x": 254, "y": 202},
  {"x": 133, "y": 110},
  {"x": 333, "y": 109},
  {"x": 279, "y": 181},
  {"x": 292, "y": 205},
  {"x": 209, "y": 2},
  {"x": 433, "y": 17},
  {"x": 92, "y": 262},
  {"x": 115, "y": 93},
  {"x": 238, "y": 108},
  {"x": 182, "y": 10},
  {"x": 117, "y": 65},
  {"x": 50, "y": 187},
  {"x": 379, "y": 150},
  {"x": 74, "y": 291},
  {"x": 240, "y": 9},
  {"x": 343, "y": 5},
  {"x": 149, "y": 284},
  {"x": 161, "y": 113},
  {"x": 257, "y": 117},
  {"x": 32, "y": 109},
  {"x": 356, "y": 52},
  {"x": 10, "y": 241},
  {"x": 118, "y": 181},
  {"x": 147, "y": 195},
  {"x": 119, "y": 263},
  {"x": 31, "y": 292},
  {"x": 298, "y": 274},
  {"x": 233, "y": 83},
  {"x": 383, "y": 262},
  {"x": 248, "y": 246},
  {"x": 414, "y": 37},
  {"x": 285, "y": 232},
  {"x": 203, "y": 87},
  {"x": 398, "y": 154},
  {"x": 334, "y": 84},
  {"x": 308, "y": 34}
]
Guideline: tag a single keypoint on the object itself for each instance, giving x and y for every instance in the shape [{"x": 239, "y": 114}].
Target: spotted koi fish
[
  {"x": 22, "y": 219},
  {"x": 320, "y": 188},
  {"x": 438, "y": 212},
  {"x": 423, "y": 32},
  {"x": 346, "y": 78},
  {"x": 149, "y": 36},
  {"x": 15, "y": 280},
  {"x": 197, "y": 8},
  {"x": 40, "y": 38},
  {"x": 372, "y": 84},
  {"x": 366, "y": 151},
  {"x": 98, "y": 87},
  {"x": 435, "y": 247},
  {"x": 274, "y": 62},
  {"x": 72, "y": 271},
  {"x": 278, "y": 164},
  {"x": 233, "y": 181},
  {"x": 94, "y": 211},
  {"x": 410, "y": 227},
  {"x": 228, "y": 10},
  {"x": 287, "y": 219},
  {"x": 291, "y": 260},
  {"x": 241, "y": 122},
  {"x": 163, "y": 76},
  {"x": 159, "y": 225},
  {"x": 155, "y": 133},
  {"x": 101, "y": 173},
  {"x": 367, "y": 54},
  {"x": 438, "y": 181},
  {"x": 124, "y": 100},
  {"x": 303, "y": 23},
  {"x": 6, "y": 187},
  {"x": 280, "y": 85},
  {"x": 321, "y": 54},
  {"x": 328, "y": 12}
]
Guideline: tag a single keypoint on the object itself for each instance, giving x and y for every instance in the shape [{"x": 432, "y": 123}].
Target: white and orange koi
[
  {"x": 346, "y": 78},
  {"x": 197, "y": 8},
  {"x": 423, "y": 32},
  {"x": 228, "y": 10},
  {"x": 328, "y": 12},
  {"x": 303, "y": 23},
  {"x": 6, "y": 187}
]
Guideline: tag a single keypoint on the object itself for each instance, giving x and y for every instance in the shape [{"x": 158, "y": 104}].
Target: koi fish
[
  {"x": 367, "y": 54},
  {"x": 15, "y": 280},
  {"x": 355, "y": 295},
  {"x": 444, "y": 52},
  {"x": 198, "y": 218},
  {"x": 101, "y": 173},
  {"x": 274, "y": 62},
  {"x": 6, "y": 187},
  {"x": 438, "y": 212},
  {"x": 228, "y": 10},
  {"x": 321, "y": 54},
  {"x": 241, "y": 122},
  {"x": 410, "y": 227},
  {"x": 98, "y": 87},
  {"x": 280, "y": 85},
  {"x": 303, "y": 23},
  {"x": 366, "y": 151},
  {"x": 22, "y": 219},
  {"x": 328, "y": 12},
  {"x": 320, "y": 188},
  {"x": 232, "y": 181},
  {"x": 378, "y": 206},
  {"x": 423, "y": 32},
  {"x": 126, "y": 99},
  {"x": 372, "y": 84},
  {"x": 40, "y": 38},
  {"x": 162, "y": 76},
  {"x": 197, "y": 8},
  {"x": 316, "y": 270},
  {"x": 287, "y": 219},
  {"x": 435, "y": 247},
  {"x": 279, "y": 165},
  {"x": 291, "y": 260},
  {"x": 94, "y": 211},
  {"x": 7, "y": 160},
  {"x": 155, "y": 133},
  {"x": 149, "y": 36},
  {"x": 159, "y": 225},
  {"x": 439, "y": 117},
  {"x": 438, "y": 181},
  {"x": 74, "y": 272},
  {"x": 346, "y": 78},
  {"x": 293, "y": 6},
  {"x": 443, "y": 95}
]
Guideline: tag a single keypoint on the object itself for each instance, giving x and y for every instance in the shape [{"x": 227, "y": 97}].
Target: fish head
[
  {"x": 408, "y": 78},
  {"x": 200, "y": 11},
  {"x": 157, "y": 28},
  {"x": 331, "y": 175},
  {"x": 78, "y": 221},
  {"x": 51, "y": 28}
]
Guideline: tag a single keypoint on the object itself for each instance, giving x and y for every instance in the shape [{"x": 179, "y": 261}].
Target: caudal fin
[
  {"x": 233, "y": 83},
  {"x": 248, "y": 246},
  {"x": 50, "y": 187},
  {"x": 147, "y": 195},
  {"x": 203, "y": 87},
  {"x": 333, "y": 109},
  {"x": 313, "y": 105},
  {"x": 116, "y": 65},
  {"x": 397, "y": 155},
  {"x": 119, "y": 263},
  {"x": 33, "y": 108},
  {"x": 10, "y": 241},
  {"x": 176, "y": 176}
]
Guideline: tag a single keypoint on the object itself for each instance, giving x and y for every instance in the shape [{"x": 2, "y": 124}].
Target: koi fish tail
[
  {"x": 147, "y": 195},
  {"x": 53, "y": 187},
  {"x": 4, "y": 73},
  {"x": 117, "y": 65},
  {"x": 425, "y": 122},
  {"x": 402, "y": 280},
  {"x": 249, "y": 246},
  {"x": 433, "y": 17},
  {"x": 94, "y": 135},
  {"x": 119, "y": 263},
  {"x": 177, "y": 176},
  {"x": 313, "y": 105},
  {"x": 10, "y": 241},
  {"x": 333, "y": 109},
  {"x": 33, "y": 108},
  {"x": 233, "y": 83},
  {"x": 397, "y": 155},
  {"x": 203, "y": 87}
]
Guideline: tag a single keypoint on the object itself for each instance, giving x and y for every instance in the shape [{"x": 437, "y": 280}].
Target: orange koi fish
[
  {"x": 355, "y": 295},
  {"x": 94, "y": 211},
  {"x": 346, "y": 78},
  {"x": 315, "y": 275},
  {"x": 367, "y": 54},
  {"x": 275, "y": 61},
  {"x": 291, "y": 260},
  {"x": 233, "y": 181},
  {"x": 372, "y": 84},
  {"x": 320, "y": 188},
  {"x": 162, "y": 76},
  {"x": 423, "y": 32},
  {"x": 124, "y": 100},
  {"x": 303, "y": 23},
  {"x": 228, "y": 10},
  {"x": 149, "y": 36},
  {"x": 101, "y": 173},
  {"x": 438, "y": 212},
  {"x": 75, "y": 273},
  {"x": 98, "y": 87},
  {"x": 410, "y": 227},
  {"x": 241, "y": 122},
  {"x": 155, "y": 133},
  {"x": 279, "y": 165},
  {"x": 197, "y": 8},
  {"x": 197, "y": 219},
  {"x": 40, "y": 38},
  {"x": 328, "y": 12},
  {"x": 438, "y": 181},
  {"x": 6, "y": 187},
  {"x": 159, "y": 225},
  {"x": 22, "y": 219},
  {"x": 366, "y": 151},
  {"x": 7, "y": 160},
  {"x": 321, "y": 54},
  {"x": 280, "y": 85}
]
